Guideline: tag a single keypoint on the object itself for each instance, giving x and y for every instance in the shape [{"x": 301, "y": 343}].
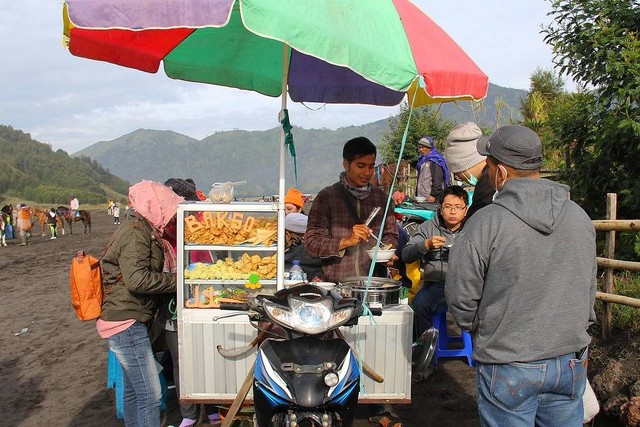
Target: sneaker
[
  {"x": 214, "y": 420},
  {"x": 22, "y": 244},
  {"x": 53, "y": 237},
  {"x": 187, "y": 422}
]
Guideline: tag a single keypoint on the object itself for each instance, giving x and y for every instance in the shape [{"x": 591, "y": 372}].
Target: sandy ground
[{"x": 54, "y": 374}]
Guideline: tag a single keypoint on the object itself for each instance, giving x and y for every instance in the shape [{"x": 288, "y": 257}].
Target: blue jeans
[
  {"x": 544, "y": 393},
  {"x": 428, "y": 301},
  {"x": 142, "y": 390}
]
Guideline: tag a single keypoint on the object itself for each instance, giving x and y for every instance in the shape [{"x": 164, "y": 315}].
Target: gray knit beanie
[{"x": 461, "y": 152}]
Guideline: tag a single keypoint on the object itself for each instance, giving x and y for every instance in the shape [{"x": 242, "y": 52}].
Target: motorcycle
[
  {"x": 412, "y": 213},
  {"x": 305, "y": 371}
]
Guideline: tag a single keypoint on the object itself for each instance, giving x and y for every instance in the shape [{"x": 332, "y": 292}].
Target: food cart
[{"x": 383, "y": 342}]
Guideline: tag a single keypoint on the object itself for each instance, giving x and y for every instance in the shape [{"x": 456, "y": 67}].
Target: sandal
[
  {"x": 215, "y": 420},
  {"x": 386, "y": 420}
]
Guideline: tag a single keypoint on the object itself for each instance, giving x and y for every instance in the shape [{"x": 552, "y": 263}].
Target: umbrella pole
[{"x": 281, "y": 183}]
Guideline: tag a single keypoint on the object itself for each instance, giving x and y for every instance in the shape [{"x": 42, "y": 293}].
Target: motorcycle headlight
[
  {"x": 308, "y": 317},
  {"x": 331, "y": 379}
]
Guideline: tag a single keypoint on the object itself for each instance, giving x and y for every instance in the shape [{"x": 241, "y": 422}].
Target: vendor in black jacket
[{"x": 295, "y": 225}]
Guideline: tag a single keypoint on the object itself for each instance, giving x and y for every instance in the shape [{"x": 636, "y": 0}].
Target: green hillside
[
  {"x": 32, "y": 171},
  {"x": 252, "y": 156}
]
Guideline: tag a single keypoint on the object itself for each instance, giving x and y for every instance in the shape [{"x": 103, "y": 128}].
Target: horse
[
  {"x": 42, "y": 217},
  {"x": 83, "y": 215},
  {"x": 7, "y": 210},
  {"x": 383, "y": 175}
]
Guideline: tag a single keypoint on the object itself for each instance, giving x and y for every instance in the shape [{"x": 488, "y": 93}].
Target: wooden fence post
[{"x": 609, "y": 252}]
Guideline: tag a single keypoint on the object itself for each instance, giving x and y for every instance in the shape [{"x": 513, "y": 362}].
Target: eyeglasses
[{"x": 454, "y": 208}]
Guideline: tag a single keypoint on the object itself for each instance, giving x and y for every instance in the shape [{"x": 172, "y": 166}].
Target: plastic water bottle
[{"x": 296, "y": 274}]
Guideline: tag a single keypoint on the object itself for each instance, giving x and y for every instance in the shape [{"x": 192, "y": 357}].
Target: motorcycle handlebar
[
  {"x": 239, "y": 306},
  {"x": 243, "y": 306}
]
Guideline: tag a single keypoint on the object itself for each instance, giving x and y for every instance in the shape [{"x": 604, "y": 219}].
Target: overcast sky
[{"x": 71, "y": 102}]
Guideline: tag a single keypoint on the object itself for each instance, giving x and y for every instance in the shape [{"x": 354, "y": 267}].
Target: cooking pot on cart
[{"x": 383, "y": 292}]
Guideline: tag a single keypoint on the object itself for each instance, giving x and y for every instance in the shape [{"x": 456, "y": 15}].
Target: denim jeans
[
  {"x": 544, "y": 393},
  {"x": 142, "y": 390},
  {"x": 428, "y": 301}
]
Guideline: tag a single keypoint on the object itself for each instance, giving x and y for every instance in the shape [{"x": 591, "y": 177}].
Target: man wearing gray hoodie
[{"x": 522, "y": 280}]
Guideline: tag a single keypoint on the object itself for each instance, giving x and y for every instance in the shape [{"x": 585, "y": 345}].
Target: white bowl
[
  {"x": 383, "y": 255},
  {"x": 421, "y": 199},
  {"x": 324, "y": 285}
]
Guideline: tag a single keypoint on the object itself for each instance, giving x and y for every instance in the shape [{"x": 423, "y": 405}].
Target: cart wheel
[{"x": 411, "y": 227}]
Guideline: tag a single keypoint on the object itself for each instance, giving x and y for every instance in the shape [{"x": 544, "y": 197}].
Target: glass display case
[{"x": 225, "y": 252}]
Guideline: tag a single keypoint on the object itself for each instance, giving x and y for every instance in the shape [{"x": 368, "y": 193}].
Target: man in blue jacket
[{"x": 522, "y": 280}]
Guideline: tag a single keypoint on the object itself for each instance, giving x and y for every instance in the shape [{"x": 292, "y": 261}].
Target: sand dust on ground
[{"x": 54, "y": 373}]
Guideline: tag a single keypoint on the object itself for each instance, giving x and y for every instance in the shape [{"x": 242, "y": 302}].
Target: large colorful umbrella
[
  {"x": 327, "y": 51},
  {"x": 338, "y": 51}
]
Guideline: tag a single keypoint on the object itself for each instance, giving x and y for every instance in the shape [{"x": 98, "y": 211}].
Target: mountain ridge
[{"x": 252, "y": 156}]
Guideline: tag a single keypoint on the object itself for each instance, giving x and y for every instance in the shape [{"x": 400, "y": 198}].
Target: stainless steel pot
[{"x": 382, "y": 292}]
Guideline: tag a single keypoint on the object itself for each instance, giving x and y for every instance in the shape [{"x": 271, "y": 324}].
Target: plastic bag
[{"x": 222, "y": 192}]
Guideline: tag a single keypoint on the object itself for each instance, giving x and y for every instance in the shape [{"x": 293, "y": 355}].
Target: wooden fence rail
[
  {"x": 618, "y": 299},
  {"x": 610, "y": 226},
  {"x": 616, "y": 224},
  {"x": 614, "y": 263}
]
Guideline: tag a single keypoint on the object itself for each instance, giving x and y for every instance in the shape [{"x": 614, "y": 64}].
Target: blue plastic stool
[
  {"x": 116, "y": 381},
  {"x": 442, "y": 349}
]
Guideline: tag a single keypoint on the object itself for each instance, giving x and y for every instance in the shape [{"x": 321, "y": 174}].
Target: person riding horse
[
  {"x": 74, "y": 204},
  {"x": 71, "y": 217}
]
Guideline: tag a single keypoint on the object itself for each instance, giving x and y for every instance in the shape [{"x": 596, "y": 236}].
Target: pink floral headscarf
[{"x": 156, "y": 202}]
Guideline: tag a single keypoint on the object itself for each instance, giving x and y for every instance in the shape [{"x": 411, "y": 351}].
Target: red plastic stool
[{"x": 443, "y": 350}]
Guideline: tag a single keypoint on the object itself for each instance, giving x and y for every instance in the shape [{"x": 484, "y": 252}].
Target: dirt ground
[
  {"x": 54, "y": 374},
  {"x": 54, "y": 367}
]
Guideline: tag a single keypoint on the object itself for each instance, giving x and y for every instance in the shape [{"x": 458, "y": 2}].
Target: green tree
[
  {"x": 545, "y": 89},
  {"x": 597, "y": 44},
  {"x": 424, "y": 121}
]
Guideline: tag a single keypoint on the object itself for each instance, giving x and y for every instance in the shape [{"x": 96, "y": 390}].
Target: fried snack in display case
[
  {"x": 233, "y": 269},
  {"x": 222, "y": 247},
  {"x": 230, "y": 228}
]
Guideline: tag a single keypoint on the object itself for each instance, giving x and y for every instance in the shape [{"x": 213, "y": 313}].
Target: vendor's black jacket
[
  {"x": 482, "y": 194},
  {"x": 310, "y": 265}
]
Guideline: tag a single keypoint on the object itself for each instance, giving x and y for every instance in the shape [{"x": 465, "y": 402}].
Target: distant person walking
[
  {"x": 52, "y": 220},
  {"x": 24, "y": 224},
  {"x": 116, "y": 213},
  {"x": 3, "y": 230}
]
